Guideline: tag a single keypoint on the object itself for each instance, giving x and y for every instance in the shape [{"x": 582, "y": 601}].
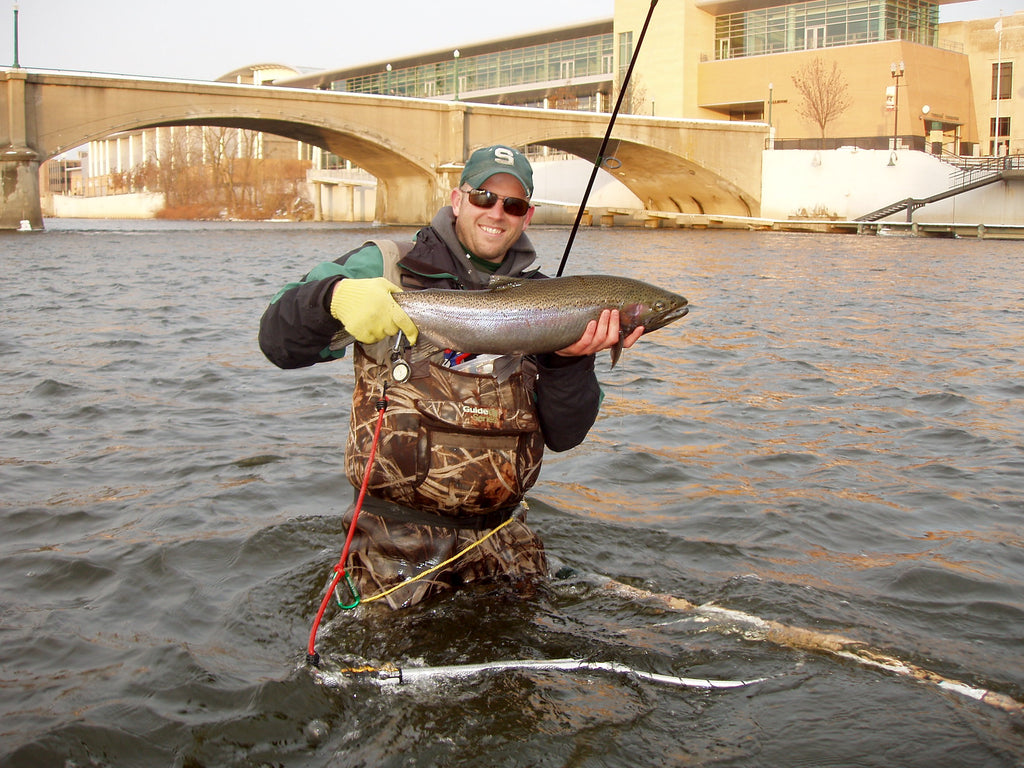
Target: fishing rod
[{"x": 607, "y": 136}]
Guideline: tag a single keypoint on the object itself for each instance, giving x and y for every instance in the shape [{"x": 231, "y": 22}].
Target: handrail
[{"x": 971, "y": 171}]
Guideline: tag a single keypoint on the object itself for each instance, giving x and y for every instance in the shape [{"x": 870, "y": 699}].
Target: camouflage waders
[{"x": 457, "y": 453}]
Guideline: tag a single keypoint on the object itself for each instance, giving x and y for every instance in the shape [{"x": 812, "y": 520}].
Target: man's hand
[
  {"x": 367, "y": 310},
  {"x": 602, "y": 333}
]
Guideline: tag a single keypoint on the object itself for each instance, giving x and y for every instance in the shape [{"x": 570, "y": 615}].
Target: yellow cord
[{"x": 439, "y": 566}]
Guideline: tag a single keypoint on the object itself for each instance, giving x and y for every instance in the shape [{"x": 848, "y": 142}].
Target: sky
[{"x": 204, "y": 39}]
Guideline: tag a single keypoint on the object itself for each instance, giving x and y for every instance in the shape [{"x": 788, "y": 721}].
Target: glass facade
[
  {"x": 496, "y": 72},
  {"x": 824, "y": 24}
]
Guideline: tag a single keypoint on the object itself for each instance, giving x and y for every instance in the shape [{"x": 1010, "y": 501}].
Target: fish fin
[
  {"x": 340, "y": 340},
  {"x": 505, "y": 366},
  {"x": 501, "y": 282},
  {"x": 422, "y": 351},
  {"x": 616, "y": 351}
]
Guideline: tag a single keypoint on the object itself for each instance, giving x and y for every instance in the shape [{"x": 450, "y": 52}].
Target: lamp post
[
  {"x": 896, "y": 70},
  {"x": 456, "y": 55},
  {"x": 16, "y": 64},
  {"x": 925, "y": 110},
  {"x": 999, "y": 86},
  {"x": 387, "y": 85},
  {"x": 771, "y": 130}
]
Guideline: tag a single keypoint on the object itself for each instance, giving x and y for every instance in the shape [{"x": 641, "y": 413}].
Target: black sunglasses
[{"x": 484, "y": 198}]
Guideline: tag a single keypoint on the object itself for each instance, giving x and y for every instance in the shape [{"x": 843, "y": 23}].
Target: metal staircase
[{"x": 968, "y": 175}]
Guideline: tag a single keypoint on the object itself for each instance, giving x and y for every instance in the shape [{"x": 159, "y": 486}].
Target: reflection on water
[{"x": 831, "y": 439}]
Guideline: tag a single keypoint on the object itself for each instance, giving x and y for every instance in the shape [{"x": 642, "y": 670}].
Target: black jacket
[{"x": 297, "y": 327}]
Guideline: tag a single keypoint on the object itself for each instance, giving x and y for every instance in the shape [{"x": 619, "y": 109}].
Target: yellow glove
[{"x": 367, "y": 310}]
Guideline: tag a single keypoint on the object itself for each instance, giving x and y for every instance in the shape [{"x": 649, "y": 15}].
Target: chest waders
[
  {"x": 446, "y": 463},
  {"x": 454, "y": 443}
]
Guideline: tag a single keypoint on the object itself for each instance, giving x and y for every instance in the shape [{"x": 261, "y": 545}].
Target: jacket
[{"x": 297, "y": 327}]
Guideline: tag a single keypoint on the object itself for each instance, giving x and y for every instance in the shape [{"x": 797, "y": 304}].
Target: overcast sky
[{"x": 204, "y": 39}]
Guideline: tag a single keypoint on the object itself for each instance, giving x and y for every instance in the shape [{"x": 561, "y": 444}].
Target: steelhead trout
[{"x": 517, "y": 316}]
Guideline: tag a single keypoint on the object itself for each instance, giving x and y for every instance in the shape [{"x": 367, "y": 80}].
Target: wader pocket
[{"x": 456, "y": 443}]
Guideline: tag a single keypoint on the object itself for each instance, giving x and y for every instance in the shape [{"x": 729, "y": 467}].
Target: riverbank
[{"x": 802, "y": 191}]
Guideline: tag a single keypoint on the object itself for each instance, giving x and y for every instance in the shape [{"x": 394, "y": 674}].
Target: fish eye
[{"x": 658, "y": 306}]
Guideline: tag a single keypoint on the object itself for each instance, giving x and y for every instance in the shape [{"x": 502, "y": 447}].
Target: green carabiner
[{"x": 352, "y": 591}]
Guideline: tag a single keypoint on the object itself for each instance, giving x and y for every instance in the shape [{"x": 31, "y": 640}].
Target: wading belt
[{"x": 403, "y": 514}]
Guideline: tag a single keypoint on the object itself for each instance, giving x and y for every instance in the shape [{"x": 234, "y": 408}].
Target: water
[{"x": 832, "y": 440}]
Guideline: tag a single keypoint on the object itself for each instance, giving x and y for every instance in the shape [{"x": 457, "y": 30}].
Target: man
[{"x": 458, "y": 448}]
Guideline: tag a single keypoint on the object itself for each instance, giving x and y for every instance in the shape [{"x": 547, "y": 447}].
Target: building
[
  {"x": 994, "y": 47},
  {"x": 893, "y": 78},
  {"x": 909, "y": 80}
]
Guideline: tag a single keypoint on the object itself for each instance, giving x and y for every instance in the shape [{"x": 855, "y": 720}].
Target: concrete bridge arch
[{"x": 414, "y": 147}]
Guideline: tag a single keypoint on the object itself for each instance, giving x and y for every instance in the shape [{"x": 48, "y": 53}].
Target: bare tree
[
  {"x": 563, "y": 98},
  {"x": 824, "y": 92},
  {"x": 634, "y": 102},
  {"x": 212, "y": 172}
]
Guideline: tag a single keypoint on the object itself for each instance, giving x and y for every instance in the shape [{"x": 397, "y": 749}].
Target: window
[
  {"x": 1002, "y": 80},
  {"x": 999, "y": 130},
  {"x": 625, "y": 52},
  {"x": 815, "y": 24}
]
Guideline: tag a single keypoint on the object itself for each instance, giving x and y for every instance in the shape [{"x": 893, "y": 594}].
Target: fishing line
[
  {"x": 607, "y": 136},
  {"x": 439, "y": 566}
]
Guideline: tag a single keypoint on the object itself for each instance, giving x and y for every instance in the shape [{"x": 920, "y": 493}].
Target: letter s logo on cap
[{"x": 504, "y": 156}]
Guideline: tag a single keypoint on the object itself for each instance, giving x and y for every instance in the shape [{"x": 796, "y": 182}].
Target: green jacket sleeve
[{"x": 297, "y": 327}]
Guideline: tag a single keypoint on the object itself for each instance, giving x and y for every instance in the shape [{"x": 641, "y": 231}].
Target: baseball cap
[{"x": 488, "y": 161}]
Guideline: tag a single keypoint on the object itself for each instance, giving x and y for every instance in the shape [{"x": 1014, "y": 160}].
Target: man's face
[{"x": 488, "y": 233}]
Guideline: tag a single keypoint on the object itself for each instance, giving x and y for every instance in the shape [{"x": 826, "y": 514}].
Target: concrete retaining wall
[
  {"x": 846, "y": 183},
  {"x": 131, "y": 206}
]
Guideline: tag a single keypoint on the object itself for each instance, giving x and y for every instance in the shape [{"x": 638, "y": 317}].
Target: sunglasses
[{"x": 484, "y": 198}]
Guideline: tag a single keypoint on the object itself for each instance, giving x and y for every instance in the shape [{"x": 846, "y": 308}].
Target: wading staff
[{"x": 607, "y": 136}]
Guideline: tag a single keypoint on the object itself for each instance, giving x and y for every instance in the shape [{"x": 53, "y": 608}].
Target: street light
[
  {"x": 16, "y": 64},
  {"x": 925, "y": 110},
  {"x": 771, "y": 130},
  {"x": 456, "y": 54},
  {"x": 387, "y": 86},
  {"x": 896, "y": 70}
]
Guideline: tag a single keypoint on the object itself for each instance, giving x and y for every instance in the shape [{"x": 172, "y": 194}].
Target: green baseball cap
[{"x": 488, "y": 161}]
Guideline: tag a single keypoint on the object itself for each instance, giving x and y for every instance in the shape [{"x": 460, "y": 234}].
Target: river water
[{"x": 833, "y": 439}]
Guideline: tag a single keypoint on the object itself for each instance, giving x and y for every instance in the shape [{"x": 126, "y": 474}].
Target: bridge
[{"x": 415, "y": 147}]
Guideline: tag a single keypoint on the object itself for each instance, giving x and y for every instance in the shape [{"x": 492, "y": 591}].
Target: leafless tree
[
  {"x": 824, "y": 93},
  {"x": 214, "y": 171},
  {"x": 634, "y": 102}
]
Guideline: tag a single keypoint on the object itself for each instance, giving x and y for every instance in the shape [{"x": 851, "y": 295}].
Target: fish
[{"x": 522, "y": 316}]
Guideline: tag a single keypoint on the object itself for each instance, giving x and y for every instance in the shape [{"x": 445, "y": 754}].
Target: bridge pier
[
  {"x": 19, "y": 164},
  {"x": 19, "y": 189}
]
